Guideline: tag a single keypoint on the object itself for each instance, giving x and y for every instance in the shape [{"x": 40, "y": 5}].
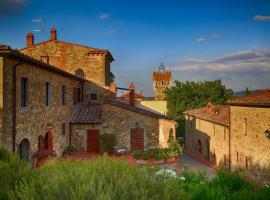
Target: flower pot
[
  {"x": 161, "y": 161},
  {"x": 141, "y": 162},
  {"x": 169, "y": 160}
]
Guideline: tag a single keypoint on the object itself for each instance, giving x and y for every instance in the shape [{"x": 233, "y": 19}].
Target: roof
[
  {"x": 137, "y": 108},
  {"x": 137, "y": 95},
  {"x": 85, "y": 113},
  {"x": 218, "y": 115},
  {"x": 92, "y": 50},
  {"x": 7, "y": 51},
  {"x": 258, "y": 99}
]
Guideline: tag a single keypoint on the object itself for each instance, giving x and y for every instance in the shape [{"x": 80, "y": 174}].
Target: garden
[{"x": 106, "y": 178}]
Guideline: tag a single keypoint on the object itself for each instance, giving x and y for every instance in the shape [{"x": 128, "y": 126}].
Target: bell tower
[{"x": 161, "y": 82}]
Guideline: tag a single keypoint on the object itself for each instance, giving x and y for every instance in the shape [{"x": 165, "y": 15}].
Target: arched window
[
  {"x": 79, "y": 73},
  {"x": 171, "y": 136},
  {"x": 24, "y": 149},
  {"x": 48, "y": 141}
]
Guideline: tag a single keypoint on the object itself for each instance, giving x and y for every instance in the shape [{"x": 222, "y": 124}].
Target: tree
[
  {"x": 247, "y": 91},
  {"x": 191, "y": 95}
]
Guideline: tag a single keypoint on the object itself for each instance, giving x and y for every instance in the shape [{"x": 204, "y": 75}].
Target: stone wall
[
  {"x": 165, "y": 128},
  {"x": 37, "y": 118},
  {"x": 210, "y": 134},
  {"x": 1, "y": 98},
  {"x": 102, "y": 91},
  {"x": 120, "y": 121},
  {"x": 158, "y": 106},
  {"x": 79, "y": 135},
  {"x": 249, "y": 145},
  {"x": 71, "y": 57}
]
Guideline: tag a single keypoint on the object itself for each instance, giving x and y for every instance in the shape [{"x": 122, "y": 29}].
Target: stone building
[
  {"x": 250, "y": 135},
  {"x": 236, "y": 136},
  {"x": 207, "y": 134},
  {"x": 55, "y": 94},
  {"x": 161, "y": 82}
]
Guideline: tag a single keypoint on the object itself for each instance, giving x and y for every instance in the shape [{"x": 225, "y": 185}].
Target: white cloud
[
  {"x": 200, "y": 39},
  {"x": 104, "y": 16},
  {"x": 262, "y": 18},
  {"x": 242, "y": 62}
]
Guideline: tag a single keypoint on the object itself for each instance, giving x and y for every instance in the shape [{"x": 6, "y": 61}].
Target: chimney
[
  {"x": 132, "y": 97},
  {"x": 53, "y": 34},
  {"x": 210, "y": 108},
  {"x": 132, "y": 86},
  {"x": 29, "y": 40}
]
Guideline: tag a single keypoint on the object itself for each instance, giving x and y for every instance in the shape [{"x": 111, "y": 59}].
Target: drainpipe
[{"x": 14, "y": 105}]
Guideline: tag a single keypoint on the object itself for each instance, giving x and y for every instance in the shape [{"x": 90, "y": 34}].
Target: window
[
  {"x": 48, "y": 94},
  {"x": 225, "y": 160},
  {"x": 63, "y": 129},
  {"x": 78, "y": 95},
  {"x": 64, "y": 95},
  {"x": 93, "y": 97},
  {"x": 24, "y": 92},
  {"x": 237, "y": 156}
]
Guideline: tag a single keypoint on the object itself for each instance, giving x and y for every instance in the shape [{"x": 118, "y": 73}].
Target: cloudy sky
[{"x": 196, "y": 40}]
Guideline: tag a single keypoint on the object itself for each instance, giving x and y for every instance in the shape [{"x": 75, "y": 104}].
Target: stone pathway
[{"x": 195, "y": 165}]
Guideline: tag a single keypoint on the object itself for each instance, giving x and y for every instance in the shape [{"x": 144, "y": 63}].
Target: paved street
[{"x": 195, "y": 165}]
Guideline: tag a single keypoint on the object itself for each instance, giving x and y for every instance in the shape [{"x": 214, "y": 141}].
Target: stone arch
[
  {"x": 48, "y": 140},
  {"x": 80, "y": 73},
  {"x": 24, "y": 149},
  {"x": 171, "y": 136}
]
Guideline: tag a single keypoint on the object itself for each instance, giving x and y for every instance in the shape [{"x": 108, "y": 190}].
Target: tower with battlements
[{"x": 161, "y": 82}]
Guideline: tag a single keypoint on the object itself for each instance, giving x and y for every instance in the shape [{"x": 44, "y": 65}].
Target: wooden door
[
  {"x": 136, "y": 139},
  {"x": 93, "y": 141}
]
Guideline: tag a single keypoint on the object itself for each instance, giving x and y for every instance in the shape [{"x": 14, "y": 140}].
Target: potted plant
[
  {"x": 175, "y": 148},
  {"x": 157, "y": 155},
  {"x": 68, "y": 151},
  {"x": 107, "y": 142},
  {"x": 169, "y": 155},
  {"x": 139, "y": 156}
]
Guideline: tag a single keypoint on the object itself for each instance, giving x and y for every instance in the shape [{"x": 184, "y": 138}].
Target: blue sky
[{"x": 197, "y": 40}]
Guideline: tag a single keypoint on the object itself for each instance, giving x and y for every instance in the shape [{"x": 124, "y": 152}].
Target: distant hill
[{"x": 243, "y": 93}]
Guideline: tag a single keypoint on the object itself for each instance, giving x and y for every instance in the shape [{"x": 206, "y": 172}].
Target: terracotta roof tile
[
  {"x": 258, "y": 99},
  {"x": 86, "y": 113},
  {"x": 219, "y": 114}
]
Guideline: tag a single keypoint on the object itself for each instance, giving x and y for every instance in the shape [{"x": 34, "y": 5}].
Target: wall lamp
[{"x": 267, "y": 133}]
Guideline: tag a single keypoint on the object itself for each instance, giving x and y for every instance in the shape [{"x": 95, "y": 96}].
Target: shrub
[
  {"x": 69, "y": 150},
  {"x": 137, "y": 155},
  {"x": 175, "y": 147},
  {"x": 107, "y": 141},
  {"x": 104, "y": 179},
  {"x": 157, "y": 154},
  {"x": 145, "y": 155},
  {"x": 12, "y": 171},
  {"x": 4, "y": 154}
]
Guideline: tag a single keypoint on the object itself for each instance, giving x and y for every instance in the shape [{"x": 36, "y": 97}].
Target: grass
[{"x": 112, "y": 179}]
